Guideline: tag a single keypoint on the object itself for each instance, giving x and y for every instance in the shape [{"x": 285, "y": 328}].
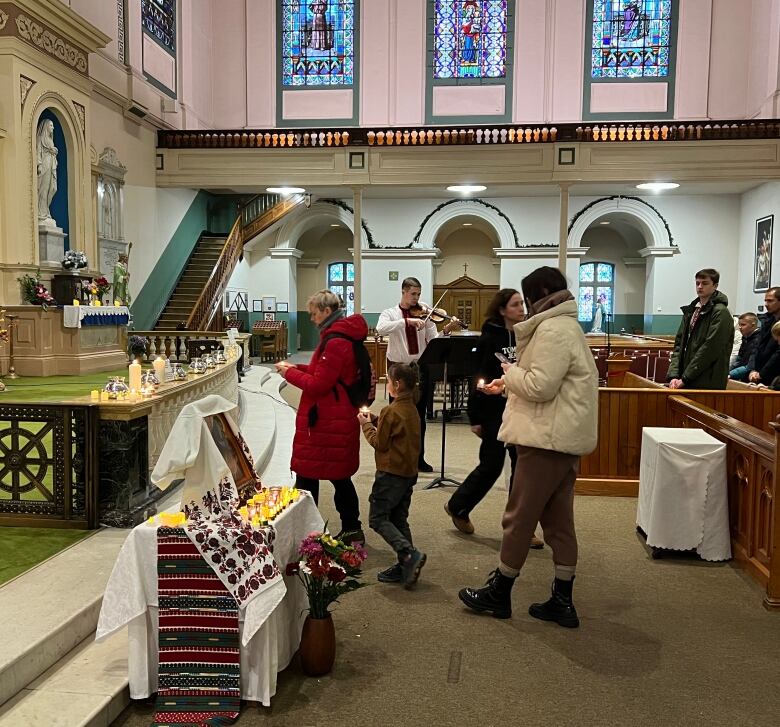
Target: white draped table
[
  {"x": 96, "y": 315},
  {"x": 683, "y": 498},
  {"x": 270, "y": 625}
]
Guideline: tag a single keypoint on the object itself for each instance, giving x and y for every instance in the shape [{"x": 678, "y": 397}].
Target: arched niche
[
  {"x": 319, "y": 214},
  {"x": 444, "y": 214}
]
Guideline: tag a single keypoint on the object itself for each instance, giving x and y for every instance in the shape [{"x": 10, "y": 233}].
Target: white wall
[
  {"x": 759, "y": 202},
  {"x": 470, "y": 247}
]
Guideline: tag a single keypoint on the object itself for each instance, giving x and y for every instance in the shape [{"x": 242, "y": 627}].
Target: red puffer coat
[{"x": 331, "y": 449}]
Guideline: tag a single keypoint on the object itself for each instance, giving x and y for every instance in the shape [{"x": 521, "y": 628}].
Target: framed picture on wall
[
  {"x": 762, "y": 265},
  {"x": 269, "y": 303},
  {"x": 257, "y": 306},
  {"x": 269, "y": 316},
  {"x": 282, "y": 308}
]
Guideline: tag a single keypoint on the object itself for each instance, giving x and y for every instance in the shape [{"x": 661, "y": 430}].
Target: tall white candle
[
  {"x": 134, "y": 375},
  {"x": 159, "y": 369}
]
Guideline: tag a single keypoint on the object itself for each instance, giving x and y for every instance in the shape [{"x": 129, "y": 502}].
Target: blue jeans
[{"x": 740, "y": 373}]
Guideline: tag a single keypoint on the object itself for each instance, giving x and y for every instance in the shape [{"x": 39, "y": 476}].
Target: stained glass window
[
  {"x": 318, "y": 42},
  {"x": 597, "y": 286},
  {"x": 341, "y": 280},
  {"x": 631, "y": 38},
  {"x": 469, "y": 38},
  {"x": 158, "y": 18}
]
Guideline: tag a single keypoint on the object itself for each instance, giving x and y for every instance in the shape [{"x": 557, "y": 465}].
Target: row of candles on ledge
[
  {"x": 95, "y": 303},
  {"x": 266, "y": 504}
]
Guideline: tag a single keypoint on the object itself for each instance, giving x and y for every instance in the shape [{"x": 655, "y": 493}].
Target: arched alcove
[
  {"x": 492, "y": 216},
  {"x": 319, "y": 214},
  {"x": 467, "y": 244}
]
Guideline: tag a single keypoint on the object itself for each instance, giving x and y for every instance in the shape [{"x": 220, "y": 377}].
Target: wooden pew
[
  {"x": 613, "y": 468},
  {"x": 753, "y": 471}
]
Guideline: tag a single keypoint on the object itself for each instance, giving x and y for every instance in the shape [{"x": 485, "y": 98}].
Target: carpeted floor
[
  {"x": 55, "y": 388},
  {"x": 663, "y": 642},
  {"x": 24, "y": 548}
]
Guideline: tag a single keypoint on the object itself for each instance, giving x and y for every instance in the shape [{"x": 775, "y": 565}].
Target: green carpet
[
  {"x": 53, "y": 389},
  {"x": 24, "y": 548}
]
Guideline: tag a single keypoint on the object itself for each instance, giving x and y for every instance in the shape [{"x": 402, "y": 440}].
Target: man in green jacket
[{"x": 703, "y": 343}]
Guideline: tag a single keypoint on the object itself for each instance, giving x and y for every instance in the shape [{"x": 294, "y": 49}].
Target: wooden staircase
[{"x": 191, "y": 283}]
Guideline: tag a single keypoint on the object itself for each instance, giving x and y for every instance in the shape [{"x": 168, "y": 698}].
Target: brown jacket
[{"x": 396, "y": 437}]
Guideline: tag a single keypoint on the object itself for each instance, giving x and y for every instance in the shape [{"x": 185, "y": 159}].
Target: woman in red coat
[{"x": 327, "y": 433}]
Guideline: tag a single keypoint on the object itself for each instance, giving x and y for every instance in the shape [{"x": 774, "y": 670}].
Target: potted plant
[
  {"x": 327, "y": 568},
  {"x": 74, "y": 260}
]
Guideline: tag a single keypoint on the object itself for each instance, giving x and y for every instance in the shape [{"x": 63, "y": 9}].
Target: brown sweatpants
[{"x": 543, "y": 492}]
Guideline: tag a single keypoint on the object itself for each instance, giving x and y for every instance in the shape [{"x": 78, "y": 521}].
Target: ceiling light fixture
[
  {"x": 605, "y": 222},
  {"x": 285, "y": 190},
  {"x": 468, "y": 224},
  {"x": 335, "y": 225},
  {"x": 657, "y": 186},
  {"x": 466, "y": 188}
]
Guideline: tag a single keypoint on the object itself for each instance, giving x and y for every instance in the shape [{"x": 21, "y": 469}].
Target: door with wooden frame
[{"x": 466, "y": 299}]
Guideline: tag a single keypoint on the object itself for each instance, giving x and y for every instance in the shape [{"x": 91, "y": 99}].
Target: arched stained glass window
[
  {"x": 470, "y": 38},
  {"x": 597, "y": 287},
  {"x": 158, "y": 18},
  {"x": 631, "y": 38},
  {"x": 341, "y": 280},
  {"x": 318, "y": 42}
]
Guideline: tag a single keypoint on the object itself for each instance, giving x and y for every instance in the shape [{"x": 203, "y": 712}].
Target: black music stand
[{"x": 446, "y": 356}]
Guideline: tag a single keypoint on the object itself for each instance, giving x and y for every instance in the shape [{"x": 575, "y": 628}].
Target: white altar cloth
[
  {"x": 683, "y": 498},
  {"x": 270, "y": 626},
  {"x": 73, "y": 315}
]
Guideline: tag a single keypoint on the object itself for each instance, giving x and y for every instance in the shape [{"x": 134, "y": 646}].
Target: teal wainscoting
[
  {"x": 207, "y": 212},
  {"x": 662, "y": 325},
  {"x": 310, "y": 336},
  {"x": 289, "y": 318}
]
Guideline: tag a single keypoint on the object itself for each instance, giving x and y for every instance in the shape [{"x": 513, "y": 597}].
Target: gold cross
[{"x": 465, "y": 268}]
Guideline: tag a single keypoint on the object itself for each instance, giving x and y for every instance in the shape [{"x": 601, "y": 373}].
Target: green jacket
[{"x": 701, "y": 356}]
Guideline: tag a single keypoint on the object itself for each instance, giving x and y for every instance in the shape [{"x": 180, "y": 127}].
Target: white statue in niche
[
  {"x": 107, "y": 211},
  {"x": 47, "y": 172}
]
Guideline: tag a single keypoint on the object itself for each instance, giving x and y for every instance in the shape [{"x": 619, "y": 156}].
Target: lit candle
[
  {"x": 76, "y": 301},
  {"x": 94, "y": 395},
  {"x": 103, "y": 396},
  {"x": 98, "y": 303},
  {"x": 134, "y": 375},
  {"x": 481, "y": 384},
  {"x": 117, "y": 303},
  {"x": 159, "y": 368},
  {"x": 133, "y": 395}
]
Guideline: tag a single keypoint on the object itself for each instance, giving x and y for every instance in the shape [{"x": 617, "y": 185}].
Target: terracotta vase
[{"x": 318, "y": 646}]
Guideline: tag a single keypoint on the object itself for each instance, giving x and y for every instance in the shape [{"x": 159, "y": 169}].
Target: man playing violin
[{"x": 407, "y": 338}]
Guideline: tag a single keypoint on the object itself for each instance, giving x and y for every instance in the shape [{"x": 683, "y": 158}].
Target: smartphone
[{"x": 501, "y": 357}]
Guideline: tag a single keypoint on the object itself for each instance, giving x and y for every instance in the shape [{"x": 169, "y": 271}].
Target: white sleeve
[{"x": 386, "y": 325}]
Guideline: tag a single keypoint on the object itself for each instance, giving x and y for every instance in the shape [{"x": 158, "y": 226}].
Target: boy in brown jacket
[{"x": 396, "y": 440}]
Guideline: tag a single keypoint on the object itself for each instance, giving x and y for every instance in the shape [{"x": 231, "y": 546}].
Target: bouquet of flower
[
  {"x": 99, "y": 287},
  {"x": 34, "y": 292},
  {"x": 136, "y": 345},
  {"x": 74, "y": 259},
  {"x": 327, "y": 569}
]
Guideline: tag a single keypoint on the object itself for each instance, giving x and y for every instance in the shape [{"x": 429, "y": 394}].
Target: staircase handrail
[
  {"x": 284, "y": 205},
  {"x": 208, "y": 301}
]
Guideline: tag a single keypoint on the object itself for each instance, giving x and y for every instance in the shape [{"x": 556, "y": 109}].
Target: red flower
[
  {"x": 319, "y": 565},
  {"x": 336, "y": 574},
  {"x": 292, "y": 569}
]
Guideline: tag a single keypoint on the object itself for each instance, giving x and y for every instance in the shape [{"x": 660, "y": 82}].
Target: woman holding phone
[{"x": 495, "y": 345}]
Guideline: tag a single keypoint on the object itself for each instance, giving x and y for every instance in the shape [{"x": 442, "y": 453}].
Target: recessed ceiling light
[
  {"x": 285, "y": 190},
  {"x": 605, "y": 222},
  {"x": 466, "y": 188},
  {"x": 335, "y": 225},
  {"x": 657, "y": 186},
  {"x": 468, "y": 224}
]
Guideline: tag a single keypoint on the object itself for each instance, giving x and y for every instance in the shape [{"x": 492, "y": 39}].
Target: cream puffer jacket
[{"x": 552, "y": 390}]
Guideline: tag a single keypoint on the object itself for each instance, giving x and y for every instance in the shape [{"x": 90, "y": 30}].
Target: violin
[{"x": 437, "y": 315}]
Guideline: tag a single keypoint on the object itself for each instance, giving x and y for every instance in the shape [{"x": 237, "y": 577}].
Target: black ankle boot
[
  {"x": 495, "y": 598},
  {"x": 559, "y": 608}
]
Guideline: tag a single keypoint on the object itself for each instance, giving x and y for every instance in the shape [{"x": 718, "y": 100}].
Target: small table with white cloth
[
  {"x": 683, "y": 497},
  {"x": 270, "y": 625},
  {"x": 76, "y": 316}
]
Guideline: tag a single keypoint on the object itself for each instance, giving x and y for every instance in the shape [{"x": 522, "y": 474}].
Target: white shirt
[{"x": 392, "y": 324}]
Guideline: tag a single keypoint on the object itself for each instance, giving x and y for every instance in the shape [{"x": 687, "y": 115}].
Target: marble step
[
  {"x": 50, "y": 609},
  {"x": 86, "y": 688}
]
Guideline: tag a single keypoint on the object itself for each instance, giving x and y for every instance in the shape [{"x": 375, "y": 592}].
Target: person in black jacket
[
  {"x": 749, "y": 330},
  {"x": 485, "y": 412},
  {"x": 764, "y": 364}
]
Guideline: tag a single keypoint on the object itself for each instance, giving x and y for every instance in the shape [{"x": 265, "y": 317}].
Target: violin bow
[{"x": 435, "y": 305}]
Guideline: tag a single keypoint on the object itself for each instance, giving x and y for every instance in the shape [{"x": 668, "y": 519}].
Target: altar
[{"x": 46, "y": 343}]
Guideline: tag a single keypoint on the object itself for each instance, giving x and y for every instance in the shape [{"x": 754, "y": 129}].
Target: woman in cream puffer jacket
[{"x": 551, "y": 416}]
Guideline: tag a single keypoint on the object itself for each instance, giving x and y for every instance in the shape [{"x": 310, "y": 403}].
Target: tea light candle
[
  {"x": 133, "y": 395},
  {"x": 365, "y": 410},
  {"x": 117, "y": 303},
  {"x": 481, "y": 384},
  {"x": 76, "y": 301},
  {"x": 94, "y": 395},
  {"x": 103, "y": 396},
  {"x": 98, "y": 303}
]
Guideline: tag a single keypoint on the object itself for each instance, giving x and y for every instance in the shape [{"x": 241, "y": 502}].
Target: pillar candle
[
  {"x": 159, "y": 369},
  {"x": 134, "y": 375},
  {"x": 76, "y": 301}
]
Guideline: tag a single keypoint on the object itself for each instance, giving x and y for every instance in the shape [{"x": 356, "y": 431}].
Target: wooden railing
[
  {"x": 49, "y": 466},
  {"x": 613, "y": 468},
  {"x": 261, "y": 217},
  {"x": 173, "y": 344},
  {"x": 752, "y": 471},
  {"x": 617, "y": 132},
  {"x": 210, "y": 298}
]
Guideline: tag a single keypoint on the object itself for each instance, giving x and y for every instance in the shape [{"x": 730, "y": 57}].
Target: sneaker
[
  {"x": 350, "y": 537},
  {"x": 461, "y": 523},
  {"x": 411, "y": 568},
  {"x": 393, "y": 574},
  {"x": 423, "y": 466}
]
